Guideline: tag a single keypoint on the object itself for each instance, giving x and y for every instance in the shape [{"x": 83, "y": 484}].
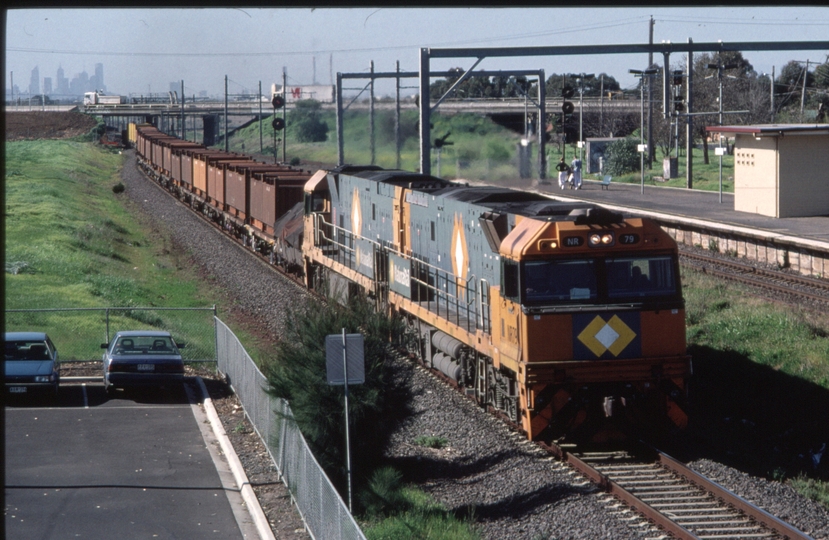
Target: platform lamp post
[
  {"x": 642, "y": 146},
  {"x": 719, "y": 150},
  {"x": 581, "y": 79}
]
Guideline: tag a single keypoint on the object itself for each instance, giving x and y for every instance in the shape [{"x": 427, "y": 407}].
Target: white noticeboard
[{"x": 334, "y": 359}]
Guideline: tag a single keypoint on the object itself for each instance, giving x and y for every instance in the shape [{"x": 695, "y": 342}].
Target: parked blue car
[
  {"x": 32, "y": 364},
  {"x": 142, "y": 358}
]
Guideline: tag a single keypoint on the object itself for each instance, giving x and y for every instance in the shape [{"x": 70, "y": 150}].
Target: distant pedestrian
[
  {"x": 575, "y": 174},
  {"x": 563, "y": 172}
]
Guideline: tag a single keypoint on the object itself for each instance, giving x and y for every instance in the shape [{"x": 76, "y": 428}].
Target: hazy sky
[{"x": 144, "y": 50}]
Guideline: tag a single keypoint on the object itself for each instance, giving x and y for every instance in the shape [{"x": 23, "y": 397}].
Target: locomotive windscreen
[{"x": 601, "y": 280}]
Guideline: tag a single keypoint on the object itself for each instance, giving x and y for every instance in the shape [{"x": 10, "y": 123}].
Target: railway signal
[
  {"x": 278, "y": 102},
  {"x": 278, "y": 124},
  {"x": 567, "y": 107}
]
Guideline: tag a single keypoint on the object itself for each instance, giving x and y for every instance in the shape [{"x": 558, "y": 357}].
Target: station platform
[{"x": 699, "y": 207}]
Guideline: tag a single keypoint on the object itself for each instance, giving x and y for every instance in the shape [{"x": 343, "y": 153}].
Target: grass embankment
[
  {"x": 482, "y": 150},
  {"x": 72, "y": 242}
]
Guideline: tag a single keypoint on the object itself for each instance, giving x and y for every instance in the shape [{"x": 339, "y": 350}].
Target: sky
[{"x": 144, "y": 50}]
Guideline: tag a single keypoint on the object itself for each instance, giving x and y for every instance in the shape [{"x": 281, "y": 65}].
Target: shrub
[
  {"x": 118, "y": 188},
  {"x": 306, "y": 121},
  {"x": 622, "y": 157}
]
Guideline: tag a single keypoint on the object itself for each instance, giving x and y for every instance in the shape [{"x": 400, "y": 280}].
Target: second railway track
[{"x": 781, "y": 284}]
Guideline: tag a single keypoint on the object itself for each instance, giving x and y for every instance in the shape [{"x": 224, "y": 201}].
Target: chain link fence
[
  {"x": 79, "y": 332},
  {"x": 325, "y": 514}
]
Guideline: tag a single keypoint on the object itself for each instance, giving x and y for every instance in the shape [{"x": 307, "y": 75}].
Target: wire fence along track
[
  {"x": 321, "y": 507},
  {"x": 79, "y": 332}
]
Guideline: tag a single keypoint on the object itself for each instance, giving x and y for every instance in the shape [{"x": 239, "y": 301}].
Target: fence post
[{"x": 215, "y": 338}]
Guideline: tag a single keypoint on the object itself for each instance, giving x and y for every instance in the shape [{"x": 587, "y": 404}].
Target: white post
[{"x": 347, "y": 443}]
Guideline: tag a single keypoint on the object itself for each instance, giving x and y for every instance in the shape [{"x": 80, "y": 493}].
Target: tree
[
  {"x": 821, "y": 75},
  {"x": 306, "y": 121},
  {"x": 790, "y": 83},
  {"x": 297, "y": 374},
  {"x": 622, "y": 157}
]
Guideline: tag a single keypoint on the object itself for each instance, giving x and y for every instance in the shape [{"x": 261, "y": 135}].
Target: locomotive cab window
[
  {"x": 640, "y": 276},
  {"x": 559, "y": 281},
  {"x": 314, "y": 203},
  {"x": 509, "y": 280}
]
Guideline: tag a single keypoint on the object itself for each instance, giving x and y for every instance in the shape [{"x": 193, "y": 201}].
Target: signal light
[
  {"x": 567, "y": 92},
  {"x": 278, "y": 124},
  {"x": 278, "y": 102},
  {"x": 676, "y": 78},
  {"x": 567, "y": 107}
]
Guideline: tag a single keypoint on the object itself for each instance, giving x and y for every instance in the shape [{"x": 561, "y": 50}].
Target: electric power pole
[{"x": 650, "y": 99}]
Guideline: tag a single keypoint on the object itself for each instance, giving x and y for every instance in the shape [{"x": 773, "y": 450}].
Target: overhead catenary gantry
[
  {"x": 666, "y": 48},
  {"x": 372, "y": 75}
]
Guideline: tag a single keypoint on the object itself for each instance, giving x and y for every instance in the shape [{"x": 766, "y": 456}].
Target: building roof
[{"x": 771, "y": 130}]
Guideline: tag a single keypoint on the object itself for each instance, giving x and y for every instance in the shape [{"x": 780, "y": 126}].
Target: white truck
[{"x": 99, "y": 98}]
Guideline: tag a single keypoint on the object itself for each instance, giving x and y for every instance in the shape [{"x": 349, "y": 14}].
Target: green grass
[
  {"x": 788, "y": 340},
  {"x": 430, "y": 441},
  {"x": 396, "y": 510},
  {"x": 705, "y": 177},
  {"x": 71, "y": 242},
  {"x": 761, "y": 381}
]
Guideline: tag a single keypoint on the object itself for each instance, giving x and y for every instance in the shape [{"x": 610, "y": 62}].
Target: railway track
[
  {"x": 673, "y": 497},
  {"x": 781, "y": 284},
  {"x": 677, "y": 499}
]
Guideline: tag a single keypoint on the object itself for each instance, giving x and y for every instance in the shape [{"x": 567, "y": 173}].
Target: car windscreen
[
  {"x": 144, "y": 345},
  {"x": 27, "y": 350}
]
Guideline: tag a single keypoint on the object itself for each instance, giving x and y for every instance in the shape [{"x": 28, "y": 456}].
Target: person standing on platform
[
  {"x": 575, "y": 174},
  {"x": 563, "y": 172}
]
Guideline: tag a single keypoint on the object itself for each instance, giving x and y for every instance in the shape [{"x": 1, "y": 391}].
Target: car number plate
[
  {"x": 146, "y": 367},
  {"x": 17, "y": 389}
]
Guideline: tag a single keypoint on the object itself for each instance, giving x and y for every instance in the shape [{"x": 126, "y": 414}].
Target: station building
[{"x": 780, "y": 170}]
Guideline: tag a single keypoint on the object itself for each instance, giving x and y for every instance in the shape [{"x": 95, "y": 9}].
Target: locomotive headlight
[{"x": 601, "y": 239}]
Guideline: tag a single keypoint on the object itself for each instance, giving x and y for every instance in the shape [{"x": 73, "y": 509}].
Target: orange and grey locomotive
[{"x": 565, "y": 317}]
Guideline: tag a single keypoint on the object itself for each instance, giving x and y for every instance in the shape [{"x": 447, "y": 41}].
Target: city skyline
[{"x": 144, "y": 50}]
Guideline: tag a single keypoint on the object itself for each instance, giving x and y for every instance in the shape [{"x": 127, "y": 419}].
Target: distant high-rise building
[
  {"x": 47, "y": 85},
  {"x": 80, "y": 84},
  {"x": 34, "y": 83},
  {"x": 62, "y": 82},
  {"x": 99, "y": 77}
]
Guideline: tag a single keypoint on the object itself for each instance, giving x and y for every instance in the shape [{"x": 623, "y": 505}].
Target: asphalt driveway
[{"x": 135, "y": 465}]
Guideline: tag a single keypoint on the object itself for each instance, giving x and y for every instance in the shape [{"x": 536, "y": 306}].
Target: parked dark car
[
  {"x": 32, "y": 364},
  {"x": 142, "y": 358}
]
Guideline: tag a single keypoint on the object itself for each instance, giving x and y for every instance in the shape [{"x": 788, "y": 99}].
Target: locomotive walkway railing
[
  {"x": 463, "y": 303},
  {"x": 322, "y": 509}
]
